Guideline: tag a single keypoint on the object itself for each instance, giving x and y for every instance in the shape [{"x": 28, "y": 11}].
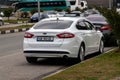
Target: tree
[
  {"x": 68, "y": 10},
  {"x": 58, "y": 9},
  {"x": 113, "y": 18},
  {"x": 7, "y": 12},
  {"x": 33, "y": 11},
  {"x": 77, "y": 9},
  {"x": 24, "y": 14}
]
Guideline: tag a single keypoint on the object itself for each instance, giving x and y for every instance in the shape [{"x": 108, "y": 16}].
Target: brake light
[
  {"x": 28, "y": 35},
  {"x": 105, "y": 28},
  {"x": 66, "y": 35}
]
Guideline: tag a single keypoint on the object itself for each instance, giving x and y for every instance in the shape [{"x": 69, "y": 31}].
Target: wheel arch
[
  {"x": 83, "y": 44},
  {"x": 78, "y": 56}
]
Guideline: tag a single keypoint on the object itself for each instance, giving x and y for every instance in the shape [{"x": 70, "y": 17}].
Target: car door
[
  {"x": 95, "y": 37},
  {"x": 87, "y": 33}
]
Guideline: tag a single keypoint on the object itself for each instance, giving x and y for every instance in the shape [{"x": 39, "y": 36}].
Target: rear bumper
[
  {"x": 68, "y": 48},
  {"x": 46, "y": 54},
  {"x": 50, "y": 54}
]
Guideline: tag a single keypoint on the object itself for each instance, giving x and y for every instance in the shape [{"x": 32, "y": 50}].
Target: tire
[
  {"x": 81, "y": 53},
  {"x": 31, "y": 59},
  {"x": 101, "y": 47}
]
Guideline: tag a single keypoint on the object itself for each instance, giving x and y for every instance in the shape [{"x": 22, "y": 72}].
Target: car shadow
[
  {"x": 57, "y": 62},
  {"x": 63, "y": 61},
  {"x": 91, "y": 55}
]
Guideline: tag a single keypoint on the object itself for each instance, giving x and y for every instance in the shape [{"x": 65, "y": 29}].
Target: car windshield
[
  {"x": 54, "y": 24},
  {"x": 35, "y": 15}
]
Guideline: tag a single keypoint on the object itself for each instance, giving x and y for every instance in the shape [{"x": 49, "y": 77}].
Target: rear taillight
[
  {"x": 66, "y": 35},
  {"x": 105, "y": 28},
  {"x": 28, "y": 35}
]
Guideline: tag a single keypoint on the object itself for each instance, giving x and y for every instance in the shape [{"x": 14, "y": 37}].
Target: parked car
[
  {"x": 73, "y": 14},
  {"x": 1, "y": 21},
  {"x": 61, "y": 14},
  {"x": 34, "y": 17},
  {"x": 53, "y": 14},
  {"x": 90, "y": 12},
  {"x": 100, "y": 23},
  {"x": 61, "y": 38}
]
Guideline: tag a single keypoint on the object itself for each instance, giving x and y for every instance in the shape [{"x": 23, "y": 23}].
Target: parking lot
[{"x": 14, "y": 65}]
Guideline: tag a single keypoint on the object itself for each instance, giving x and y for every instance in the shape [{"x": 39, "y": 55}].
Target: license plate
[{"x": 45, "y": 38}]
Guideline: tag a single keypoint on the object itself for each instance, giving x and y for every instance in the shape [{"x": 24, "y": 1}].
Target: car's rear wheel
[
  {"x": 31, "y": 59},
  {"x": 101, "y": 47},
  {"x": 81, "y": 53}
]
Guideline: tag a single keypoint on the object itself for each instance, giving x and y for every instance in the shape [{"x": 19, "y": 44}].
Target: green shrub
[
  {"x": 7, "y": 12},
  {"x": 68, "y": 10},
  {"x": 77, "y": 9},
  {"x": 11, "y": 21},
  {"x": 24, "y": 14},
  {"x": 113, "y": 18},
  {"x": 33, "y": 11}
]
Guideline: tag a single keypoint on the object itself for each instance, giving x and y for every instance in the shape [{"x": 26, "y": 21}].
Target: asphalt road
[{"x": 13, "y": 65}]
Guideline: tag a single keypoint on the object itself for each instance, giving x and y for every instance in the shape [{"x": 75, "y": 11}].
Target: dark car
[
  {"x": 34, "y": 17},
  {"x": 1, "y": 21},
  {"x": 100, "y": 23}
]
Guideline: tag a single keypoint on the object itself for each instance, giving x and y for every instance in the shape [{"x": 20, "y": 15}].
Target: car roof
[
  {"x": 97, "y": 18},
  {"x": 66, "y": 18},
  {"x": 96, "y": 15},
  {"x": 72, "y": 14}
]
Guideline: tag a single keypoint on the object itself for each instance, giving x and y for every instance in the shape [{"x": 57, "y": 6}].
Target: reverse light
[
  {"x": 28, "y": 35},
  {"x": 66, "y": 35}
]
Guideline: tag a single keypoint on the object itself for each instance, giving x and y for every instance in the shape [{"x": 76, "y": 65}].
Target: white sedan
[{"x": 62, "y": 37}]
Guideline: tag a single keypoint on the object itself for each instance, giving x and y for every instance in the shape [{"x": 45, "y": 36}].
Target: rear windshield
[{"x": 53, "y": 24}]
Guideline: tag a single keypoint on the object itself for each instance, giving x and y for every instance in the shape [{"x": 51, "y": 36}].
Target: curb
[{"x": 14, "y": 30}]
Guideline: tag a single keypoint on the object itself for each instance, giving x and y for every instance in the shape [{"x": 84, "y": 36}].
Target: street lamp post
[
  {"x": 38, "y": 10},
  {"x": 110, "y": 4}
]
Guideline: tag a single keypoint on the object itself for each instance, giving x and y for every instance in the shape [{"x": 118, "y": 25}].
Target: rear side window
[
  {"x": 54, "y": 24},
  {"x": 89, "y": 25}
]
